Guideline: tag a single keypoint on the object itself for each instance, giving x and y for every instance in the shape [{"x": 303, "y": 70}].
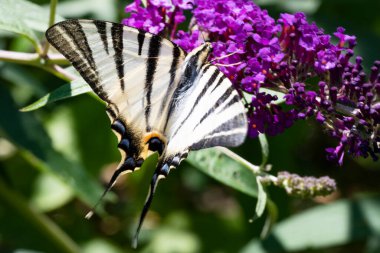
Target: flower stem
[
  {"x": 255, "y": 169},
  {"x": 34, "y": 59},
  {"x": 53, "y": 7},
  {"x": 31, "y": 58},
  {"x": 22, "y": 58},
  {"x": 39, "y": 220}
]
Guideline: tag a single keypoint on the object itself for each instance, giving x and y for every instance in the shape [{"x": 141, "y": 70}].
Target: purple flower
[
  {"x": 157, "y": 15},
  {"x": 282, "y": 55},
  {"x": 188, "y": 41}
]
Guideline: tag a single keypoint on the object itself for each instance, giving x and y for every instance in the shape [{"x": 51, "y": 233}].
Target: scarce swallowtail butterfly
[{"x": 159, "y": 99}]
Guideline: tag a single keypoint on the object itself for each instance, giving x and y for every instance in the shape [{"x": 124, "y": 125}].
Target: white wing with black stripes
[
  {"x": 121, "y": 64},
  {"x": 158, "y": 98}
]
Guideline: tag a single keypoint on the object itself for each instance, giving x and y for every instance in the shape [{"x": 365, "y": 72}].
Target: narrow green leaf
[
  {"x": 338, "y": 223},
  {"x": 25, "y": 18},
  {"x": 272, "y": 215},
  {"x": 228, "y": 168},
  {"x": 264, "y": 148},
  {"x": 75, "y": 88},
  {"x": 261, "y": 199}
]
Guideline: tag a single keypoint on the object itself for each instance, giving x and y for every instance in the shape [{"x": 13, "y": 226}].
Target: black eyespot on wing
[
  {"x": 124, "y": 145},
  {"x": 155, "y": 144}
]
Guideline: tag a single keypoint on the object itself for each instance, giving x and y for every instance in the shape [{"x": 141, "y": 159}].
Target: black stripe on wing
[
  {"x": 68, "y": 38},
  {"x": 208, "y": 84},
  {"x": 140, "y": 39},
  {"x": 101, "y": 27},
  {"x": 117, "y": 41},
  {"x": 231, "y": 133},
  {"x": 75, "y": 31},
  {"x": 196, "y": 60},
  {"x": 173, "y": 71},
  {"x": 218, "y": 103},
  {"x": 153, "y": 53}
]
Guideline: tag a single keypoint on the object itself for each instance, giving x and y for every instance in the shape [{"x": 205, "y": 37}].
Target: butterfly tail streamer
[
  {"x": 160, "y": 173},
  {"x": 128, "y": 166}
]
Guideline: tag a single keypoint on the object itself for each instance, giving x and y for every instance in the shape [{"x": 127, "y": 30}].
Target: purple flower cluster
[
  {"x": 288, "y": 55},
  {"x": 344, "y": 100},
  {"x": 157, "y": 15}
]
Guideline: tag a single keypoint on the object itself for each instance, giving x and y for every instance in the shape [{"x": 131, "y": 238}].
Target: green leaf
[
  {"x": 97, "y": 9},
  {"x": 37, "y": 17},
  {"x": 226, "y": 167},
  {"x": 272, "y": 215},
  {"x": 75, "y": 88},
  {"x": 31, "y": 217},
  {"x": 50, "y": 193},
  {"x": 25, "y": 18},
  {"x": 27, "y": 133},
  {"x": 261, "y": 199},
  {"x": 338, "y": 223},
  {"x": 373, "y": 244},
  {"x": 100, "y": 245}
]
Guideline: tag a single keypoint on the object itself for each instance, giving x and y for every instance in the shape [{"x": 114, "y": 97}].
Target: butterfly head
[{"x": 195, "y": 60}]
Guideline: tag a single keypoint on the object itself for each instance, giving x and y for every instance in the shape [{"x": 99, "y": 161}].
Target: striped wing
[
  {"x": 131, "y": 70},
  {"x": 210, "y": 114}
]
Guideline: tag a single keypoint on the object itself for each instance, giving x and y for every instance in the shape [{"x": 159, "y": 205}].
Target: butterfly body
[{"x": 159, "y": 99}]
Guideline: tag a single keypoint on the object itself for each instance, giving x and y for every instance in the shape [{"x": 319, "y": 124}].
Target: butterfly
[{"x": 158, "y": 97}]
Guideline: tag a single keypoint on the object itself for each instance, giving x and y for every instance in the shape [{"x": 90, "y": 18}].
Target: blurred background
[{"x": 54, "y": 162}]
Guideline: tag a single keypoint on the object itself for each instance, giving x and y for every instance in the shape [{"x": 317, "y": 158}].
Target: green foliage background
[{"x": 54, "y": 161}]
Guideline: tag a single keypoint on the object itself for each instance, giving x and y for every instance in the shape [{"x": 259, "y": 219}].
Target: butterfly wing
[
  {"x": 207, "y": 113},
  {"x": 131, "y": 70},
  {"x": 134, "y": 72},
  {"x": 210, "y": 114}
]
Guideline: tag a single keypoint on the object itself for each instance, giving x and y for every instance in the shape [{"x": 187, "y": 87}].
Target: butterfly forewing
[{"x": 128, "y": 68}]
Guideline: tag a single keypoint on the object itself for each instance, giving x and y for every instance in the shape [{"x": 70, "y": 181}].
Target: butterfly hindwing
[{"x": 209, "y": 113}]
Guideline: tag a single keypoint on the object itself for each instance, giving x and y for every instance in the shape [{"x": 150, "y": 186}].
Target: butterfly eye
[{"x": 155, "y": 144}]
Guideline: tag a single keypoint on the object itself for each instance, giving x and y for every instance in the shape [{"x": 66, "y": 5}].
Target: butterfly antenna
[
  {"x": 227, "y": 65},
  {"x": 128, "y": 165},
  {"x": 158, "y": 174},
  {"x": 224, "y": 56}
]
